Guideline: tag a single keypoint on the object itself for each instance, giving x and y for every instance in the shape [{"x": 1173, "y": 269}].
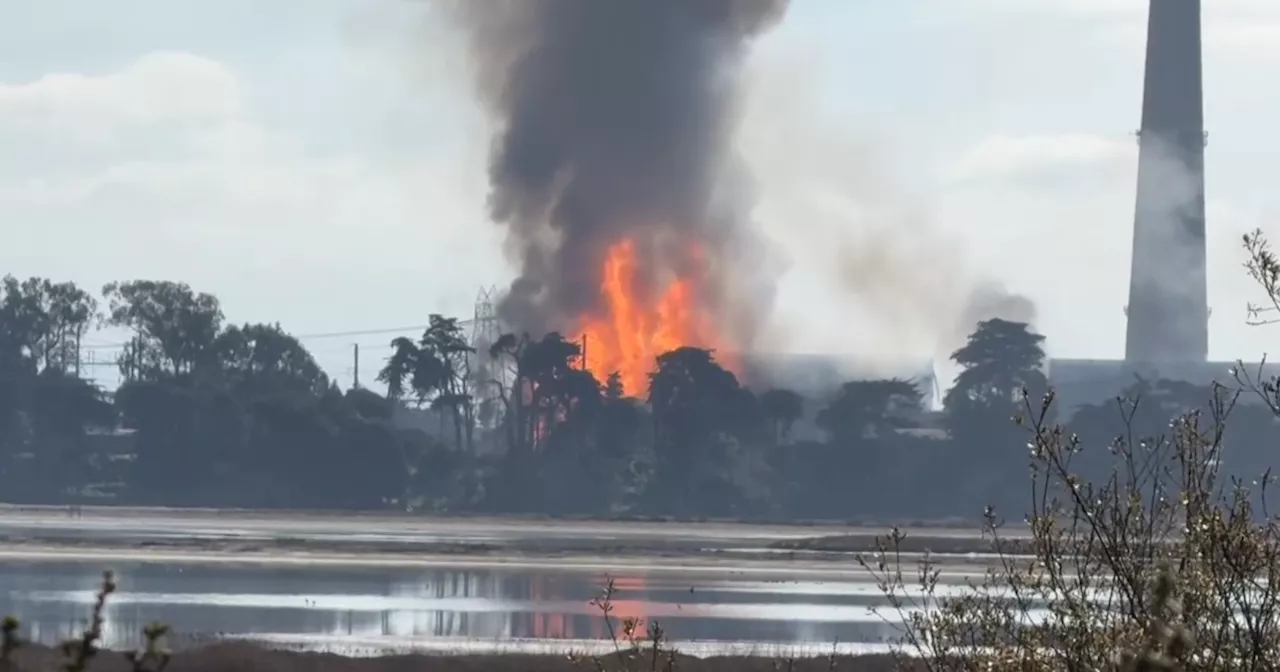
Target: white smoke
[{"x": 896, "y": 291}]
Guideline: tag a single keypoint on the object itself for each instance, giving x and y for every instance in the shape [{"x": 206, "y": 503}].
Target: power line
[
  {"x": 302, "y": 337},
  {"x": 361, "y": 332}
]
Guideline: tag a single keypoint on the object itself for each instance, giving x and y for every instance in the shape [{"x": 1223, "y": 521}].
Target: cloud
[
  {"x": 1032, "y": 156},
  {"x": 162, "y": 169},
  {"x": 1135, "y": 8},
  {"x": 159, "y": 87},
  {"x": 1233, "y": 29},
  {"x": 1257, "y": 39}
]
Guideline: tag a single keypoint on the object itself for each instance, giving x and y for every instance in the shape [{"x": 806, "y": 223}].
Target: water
[
  {"x": 458, "y": 607},
  {"x": 371, "y": 584}
]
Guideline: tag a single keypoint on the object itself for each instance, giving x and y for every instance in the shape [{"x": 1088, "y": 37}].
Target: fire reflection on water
[
  {"x": 561, "y": 625},
  {"x": 412, "y": 606}
]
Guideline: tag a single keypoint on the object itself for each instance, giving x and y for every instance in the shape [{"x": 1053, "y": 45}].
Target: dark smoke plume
[{"x": 614, "y": 118}]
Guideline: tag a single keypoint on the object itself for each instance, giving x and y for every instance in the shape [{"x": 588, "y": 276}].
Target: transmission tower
[
  {"x": 489, "y": 376},
  {"x": 485, "y": 326}
]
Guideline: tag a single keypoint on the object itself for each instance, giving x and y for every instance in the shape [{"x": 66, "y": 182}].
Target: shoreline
[
  {"x": 393, "y": 516},
  {"x": 156, "y": 536},
  {"x": 100, "y": 537},
  {"x": 448, "y": 554},
  {"x": 770, "y": 569},
  {"x": 827, "y": 552}
]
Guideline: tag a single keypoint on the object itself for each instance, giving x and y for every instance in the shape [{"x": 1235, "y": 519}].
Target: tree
[
  {"x": 175, "y": 328},
  {"x": 18, "y": 365},
  {"x": 870, "y": 409},
  {"x": 264, "y": 357},
  {"x": 437, "y": 370},
  {"x": 699, "y": 410},
  {"x": 192, "y": 441},
  {"x": 45, "y": 410},
  {"x": 47, "y": 320},
  {"x": 692, "y": 398},
  {"x": 1000, "y": 360},
  {"x": 622, "y": 440},
  {"x": 369, "y": 404},
  {"x": 60, "y": 410},
  {"x": 863, "y": 444},
  {"x": 783, "y": 408},
  {"x": 563, "y": 397},
  {"x": 552, "y": 410},
  {"x": 547, "y": 387}
]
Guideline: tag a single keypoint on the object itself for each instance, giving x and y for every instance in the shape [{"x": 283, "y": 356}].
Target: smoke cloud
[
  {"x": 894, "y": 290},
  {"x": 615, "y": 119}
]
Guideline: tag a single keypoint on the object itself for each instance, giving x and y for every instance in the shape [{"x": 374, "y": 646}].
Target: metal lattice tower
[
  {"x": 485, "y": 322},
  {"x": 489, "y": 377},
  {"x": 1168, "y": 304}
]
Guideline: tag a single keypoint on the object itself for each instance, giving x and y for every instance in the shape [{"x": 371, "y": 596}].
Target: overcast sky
[{"x": 321, "y": 163}]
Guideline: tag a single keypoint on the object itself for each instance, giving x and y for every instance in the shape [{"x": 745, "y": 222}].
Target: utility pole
[{"x": 355, "y": 366}]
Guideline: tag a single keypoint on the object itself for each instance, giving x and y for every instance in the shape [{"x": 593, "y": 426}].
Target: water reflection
[{"x": 410, "y": 605}]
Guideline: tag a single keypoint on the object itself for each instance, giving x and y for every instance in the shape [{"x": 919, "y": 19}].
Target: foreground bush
[{"x": 1157, "y": 565}]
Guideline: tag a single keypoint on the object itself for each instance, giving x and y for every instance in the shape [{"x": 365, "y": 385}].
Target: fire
[{"x": 634, "y": 326}]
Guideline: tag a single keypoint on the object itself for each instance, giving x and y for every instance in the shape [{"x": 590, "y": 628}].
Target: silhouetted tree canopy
[{"x": 217, "y": 414}]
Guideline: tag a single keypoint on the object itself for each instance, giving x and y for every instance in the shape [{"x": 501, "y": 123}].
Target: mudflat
[{"x": 179, "y": 535}]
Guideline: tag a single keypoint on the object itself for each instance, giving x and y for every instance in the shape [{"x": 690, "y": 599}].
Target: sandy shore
[{"x": 533, "y": 525}]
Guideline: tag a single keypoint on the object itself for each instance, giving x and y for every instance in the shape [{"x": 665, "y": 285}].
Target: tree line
[{"x": 216, "y": 414}]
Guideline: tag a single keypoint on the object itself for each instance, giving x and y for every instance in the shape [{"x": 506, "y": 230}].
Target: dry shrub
[{"x": 1157, "y": 566}]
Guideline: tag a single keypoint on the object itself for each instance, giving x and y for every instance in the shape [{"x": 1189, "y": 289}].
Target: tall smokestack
[{"x": 1168, "y": 305}]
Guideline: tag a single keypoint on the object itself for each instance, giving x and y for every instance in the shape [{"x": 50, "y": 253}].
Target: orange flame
[{"x": 633, "y": 329}]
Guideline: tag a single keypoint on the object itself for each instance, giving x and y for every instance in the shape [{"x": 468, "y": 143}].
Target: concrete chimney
[{"x": 1168, "y": 315}]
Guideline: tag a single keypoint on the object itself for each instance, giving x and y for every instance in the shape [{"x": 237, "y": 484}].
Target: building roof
[
  {"x": 1077, "y": 382},
  {"x": 820, "y": 372}
]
